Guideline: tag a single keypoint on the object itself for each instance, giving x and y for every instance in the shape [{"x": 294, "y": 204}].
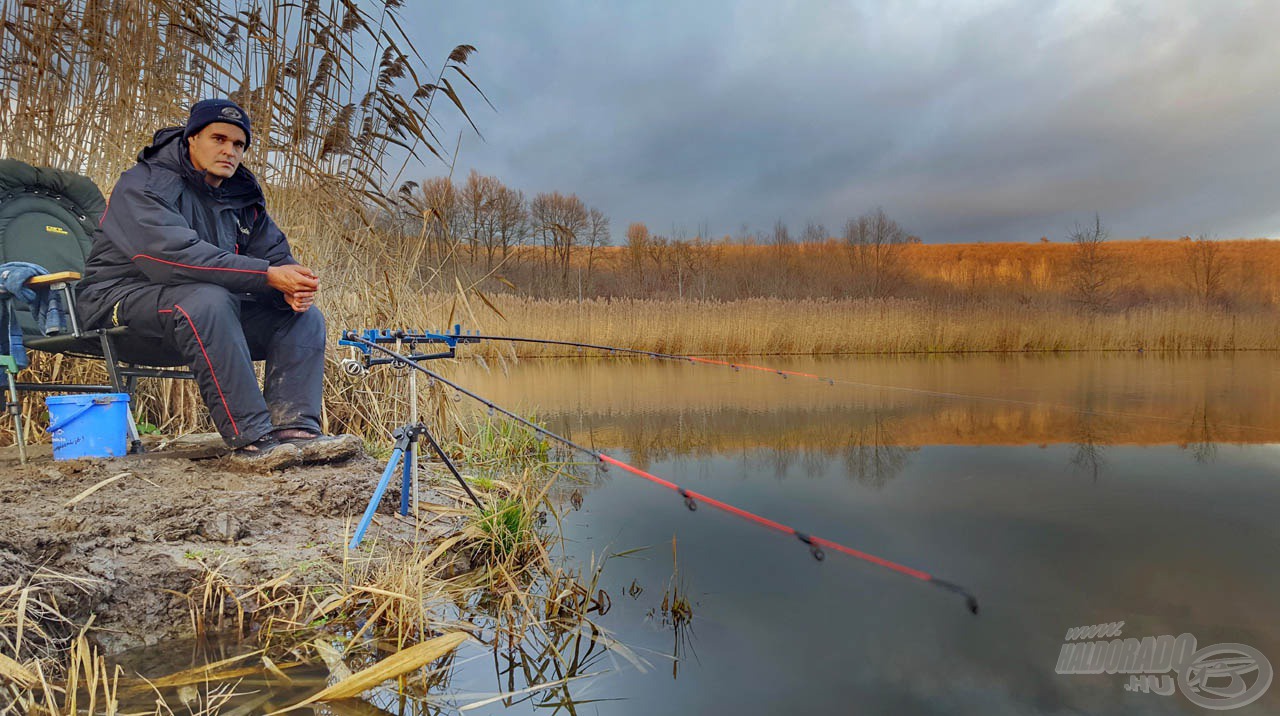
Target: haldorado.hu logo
[{"x": 1218, "y": 677}]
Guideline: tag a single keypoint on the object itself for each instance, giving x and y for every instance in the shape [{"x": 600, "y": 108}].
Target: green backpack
[{"x": 47, "y": 217}]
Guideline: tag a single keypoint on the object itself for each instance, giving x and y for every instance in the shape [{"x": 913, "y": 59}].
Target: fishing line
[
  {"x": 860, "y": 384},
  {"x": 692, "y": 499}
]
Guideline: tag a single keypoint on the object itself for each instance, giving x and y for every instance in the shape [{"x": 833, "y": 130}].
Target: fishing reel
[{"x": 354, "y": 367}]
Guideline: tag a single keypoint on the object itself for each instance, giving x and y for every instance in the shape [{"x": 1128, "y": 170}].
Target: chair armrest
[
  {"x": 63, "y": 281},
  {"x": 60, "y": 277}
]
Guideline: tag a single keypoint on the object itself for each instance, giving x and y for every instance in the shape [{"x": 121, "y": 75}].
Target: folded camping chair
[{"x": 48, "y": 217}]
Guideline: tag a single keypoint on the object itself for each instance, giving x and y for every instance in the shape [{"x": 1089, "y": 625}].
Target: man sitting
[{"x": 186, "y": 254}]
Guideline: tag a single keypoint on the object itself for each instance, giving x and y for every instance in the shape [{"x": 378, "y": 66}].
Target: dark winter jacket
[{"x": 166, "y": 225}]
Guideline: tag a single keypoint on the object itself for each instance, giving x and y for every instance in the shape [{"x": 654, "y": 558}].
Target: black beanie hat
[{"x": 208, "y": 111}]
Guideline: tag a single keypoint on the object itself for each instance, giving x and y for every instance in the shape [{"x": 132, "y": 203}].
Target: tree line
[
  {"x": 486, "y": 221},
  {"x": 554, "y": 244}
]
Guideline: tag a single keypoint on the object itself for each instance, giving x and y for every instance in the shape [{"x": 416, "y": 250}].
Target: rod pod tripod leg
[{"x": 406, "y": 438}]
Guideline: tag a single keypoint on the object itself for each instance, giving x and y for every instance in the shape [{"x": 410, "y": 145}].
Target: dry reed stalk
[{"x": 394, "y": 666}]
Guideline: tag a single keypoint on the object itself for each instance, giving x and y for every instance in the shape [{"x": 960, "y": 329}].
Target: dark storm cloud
[{"x": 964, "y": 120}]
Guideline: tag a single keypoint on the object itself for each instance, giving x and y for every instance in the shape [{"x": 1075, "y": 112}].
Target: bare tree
[
  {"x": 478, "y": 215},
  {"x": 874, "y": 244},
  {"x": 781, "y": 234},
  {"x": 441, "y": 220},
  {"x": 814, "y": 233},
  {"x": 636, "y": 248},
  {"x": 597, "y": 236},
  {"x": 511, "y": 219},
  {"x": 658, "y": 249},
  {"x": 1092, "y": 272},
  {"x": 560, "y": 222},
  {"x": 1204, "y": 268},
  {"x": 687, "y": 259}
]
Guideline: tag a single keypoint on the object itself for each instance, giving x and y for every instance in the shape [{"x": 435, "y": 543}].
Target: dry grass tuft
[{"x": 46, "y": 665}]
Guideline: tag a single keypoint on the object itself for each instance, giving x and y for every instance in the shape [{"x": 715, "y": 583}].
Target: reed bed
[{"x": 846, "y": 326}]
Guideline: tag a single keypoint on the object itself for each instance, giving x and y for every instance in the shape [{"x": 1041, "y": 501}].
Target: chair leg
[
  {"x": 135, "y": 440},
  {"x": 122, "y": 385},
  {"x": 113, "y": 368},
  {"x": 15, "y": 407}
]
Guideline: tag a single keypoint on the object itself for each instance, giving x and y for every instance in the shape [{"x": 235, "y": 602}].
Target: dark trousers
[{"x": 220, "y": 334}]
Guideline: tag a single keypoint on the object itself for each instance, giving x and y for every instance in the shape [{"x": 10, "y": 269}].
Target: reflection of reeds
[{"x": 1016, "y": 400}]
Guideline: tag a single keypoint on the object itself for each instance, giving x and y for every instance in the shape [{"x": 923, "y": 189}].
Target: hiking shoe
[
  {"x": 316, "y": 447},
  {"x": 266, "y": 453}
]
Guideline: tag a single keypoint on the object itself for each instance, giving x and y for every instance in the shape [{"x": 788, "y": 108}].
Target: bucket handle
[{"x": 54, "y": 427}]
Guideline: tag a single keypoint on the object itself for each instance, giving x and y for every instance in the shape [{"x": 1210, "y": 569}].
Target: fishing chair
[{"x": 47, "y": 217}]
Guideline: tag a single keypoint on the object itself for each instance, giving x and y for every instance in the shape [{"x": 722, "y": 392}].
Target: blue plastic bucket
[{"x": 94, "y": 425}]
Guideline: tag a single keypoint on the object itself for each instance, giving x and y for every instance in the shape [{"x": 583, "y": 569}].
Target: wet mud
[{"x": 134, "y": 534}]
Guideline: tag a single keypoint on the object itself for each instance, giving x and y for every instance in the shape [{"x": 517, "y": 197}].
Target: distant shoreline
[{"x": 869, "y": 327}]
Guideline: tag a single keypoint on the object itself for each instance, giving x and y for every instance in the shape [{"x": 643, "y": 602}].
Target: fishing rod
[{"x": 370, "y": 342}]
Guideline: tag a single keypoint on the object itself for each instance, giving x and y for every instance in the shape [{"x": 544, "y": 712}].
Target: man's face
[{"x": 217, "y": 151}]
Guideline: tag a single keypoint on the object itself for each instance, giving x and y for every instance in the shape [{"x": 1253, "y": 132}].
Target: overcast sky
[{"x": 964, "y": 120}]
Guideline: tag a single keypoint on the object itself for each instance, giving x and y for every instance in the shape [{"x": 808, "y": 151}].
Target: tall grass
[
  {"x": 829, "y": 326},
  {"x": 332, "y": 84}
]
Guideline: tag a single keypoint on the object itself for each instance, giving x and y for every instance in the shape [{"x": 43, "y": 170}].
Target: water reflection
[
  {"x": 874, "y": 457},
  {"x": 1201, "y": 438},
  {"x": 214, "y": 674},
  {"x": 1063, "y": 490},
  {"x": 655, "y": 410},
  {"x": 1089, "y": 438}
]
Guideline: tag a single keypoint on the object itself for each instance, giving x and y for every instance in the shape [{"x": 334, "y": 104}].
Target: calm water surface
[{"x": 1063, "y": 491}]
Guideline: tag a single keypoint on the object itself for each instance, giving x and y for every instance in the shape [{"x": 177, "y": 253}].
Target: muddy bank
[{"x": 139, "y": 542}]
